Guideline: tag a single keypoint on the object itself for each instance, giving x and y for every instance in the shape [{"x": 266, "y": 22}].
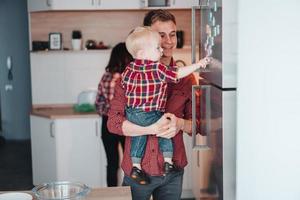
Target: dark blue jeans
[
  {"x": 167, "y": 187},
  {"x": 138, "y": 143}
]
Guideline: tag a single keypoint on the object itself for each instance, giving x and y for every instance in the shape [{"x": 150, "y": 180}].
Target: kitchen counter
[
  {"x": 60, "y": 111},
  {"x": 107, "y": 193},
  {"x": 110, "y": 193}
]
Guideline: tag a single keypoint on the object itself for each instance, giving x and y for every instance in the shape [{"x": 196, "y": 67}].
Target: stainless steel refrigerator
[{"x": 214, "y": 34}]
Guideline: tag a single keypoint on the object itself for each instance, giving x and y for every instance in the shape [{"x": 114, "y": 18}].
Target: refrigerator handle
[
  {"x": 193, "y": 26},
  {"x": 205, "y": 91}
]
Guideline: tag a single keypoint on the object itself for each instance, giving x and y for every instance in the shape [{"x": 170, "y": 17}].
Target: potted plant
[{"x": 76, "y": 40}]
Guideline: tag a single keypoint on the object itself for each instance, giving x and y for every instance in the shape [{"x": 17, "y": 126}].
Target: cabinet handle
[
  {"x": 198, "y": 158},
  {"x": 204, "y": 3},
  {"x": 144, "y": 3},
  {"x": 93, "y": 2},
  {"x": 49, "y": 3},
  {"x": 52, "y": 134},
  {"x": 96, "y": 128}
]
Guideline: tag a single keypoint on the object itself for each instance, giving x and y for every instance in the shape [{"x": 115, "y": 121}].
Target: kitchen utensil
[
  {"x": 180, "y": 39},
  {"x": 91, "y": 44},
  {"x": 87, "y": 97},
  {"x": 61, "y": 190}
]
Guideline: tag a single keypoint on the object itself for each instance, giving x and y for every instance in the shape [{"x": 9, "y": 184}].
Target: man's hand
[
  {"x": 172, "y": 128},
  {"x": 161, "y": 125}
]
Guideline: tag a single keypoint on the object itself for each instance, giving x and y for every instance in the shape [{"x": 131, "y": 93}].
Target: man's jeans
[
  {"x": 138, "y": 143},
  {"x": 167, "y": 187}
]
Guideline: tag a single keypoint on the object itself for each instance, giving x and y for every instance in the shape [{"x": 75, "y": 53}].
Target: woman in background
[{"x": 119, "y": 58}]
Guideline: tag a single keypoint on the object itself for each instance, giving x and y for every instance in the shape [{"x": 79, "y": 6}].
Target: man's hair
[
  {"x": 140, "y": 38},
  {"x": 158, "y": 15}
]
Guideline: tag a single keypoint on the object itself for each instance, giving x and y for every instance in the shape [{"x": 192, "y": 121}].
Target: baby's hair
[{"x": 140, "y": 38}]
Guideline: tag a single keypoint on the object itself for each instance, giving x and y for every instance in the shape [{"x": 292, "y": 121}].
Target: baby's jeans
[{"x": 138, "y": 143}]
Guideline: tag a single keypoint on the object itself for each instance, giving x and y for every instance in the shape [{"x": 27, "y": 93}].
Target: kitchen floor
[{"x": 15, "y": 165}]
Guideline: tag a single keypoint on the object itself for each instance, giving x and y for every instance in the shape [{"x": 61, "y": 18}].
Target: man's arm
[
  {"x": 118, "y": 124},
  {"x": 186, "y": 70},
  {"x": 131, "y": 129},
  {"x": 176, "y": 124}
]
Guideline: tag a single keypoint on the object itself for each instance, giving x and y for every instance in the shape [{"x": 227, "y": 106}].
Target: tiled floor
[{"x": 15, "y": 165}]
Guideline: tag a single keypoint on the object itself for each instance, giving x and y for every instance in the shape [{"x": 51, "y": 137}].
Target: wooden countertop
[
  {"x": 107, "y": 193},
  {"x": 110, "y": 193},
  {"x": 60, "y": 111}
]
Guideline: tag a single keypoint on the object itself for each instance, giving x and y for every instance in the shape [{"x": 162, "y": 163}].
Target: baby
[{"x": 145, "y": 82}]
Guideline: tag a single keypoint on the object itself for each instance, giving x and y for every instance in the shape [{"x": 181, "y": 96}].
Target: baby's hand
[{"x": 203, "y": 62}]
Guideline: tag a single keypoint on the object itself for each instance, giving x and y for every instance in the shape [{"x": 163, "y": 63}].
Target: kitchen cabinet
[
  {"x": 187, "y": 192},
  {"x": 170, "y": 4},
  {"x": 201, "y": 167},
  {"x": 58, "y": 77},
  {"x": 182, "y": 3},
  {"x": 67, "y": 149},
  {"x": 117, "y": 4},
  {"x": 44, "y": 5}
]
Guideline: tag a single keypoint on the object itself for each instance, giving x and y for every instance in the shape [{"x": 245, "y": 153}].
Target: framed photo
[{"x": 55, "y": 41}]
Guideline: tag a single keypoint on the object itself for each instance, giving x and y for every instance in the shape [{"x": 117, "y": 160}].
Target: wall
[
  {"x": 268, "y": 100},
  {"x": 110, "y": 27},
  {"x": 15, "y": 103}
]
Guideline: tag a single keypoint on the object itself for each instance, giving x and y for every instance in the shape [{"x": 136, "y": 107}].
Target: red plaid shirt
[
  {"x": 145, "y": 84},
  {"x": 105, "y": 93}
]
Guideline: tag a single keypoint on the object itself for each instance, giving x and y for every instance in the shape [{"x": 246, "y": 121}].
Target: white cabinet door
[
  {"x": 42, "y": 5},
  {"x": 182, "y": 3},
  {"x": 68, "y": 150},
  {"x": 38, "y": 5},
  {"x": 177, "y": 4},
  {"x": 201, "y": 166},
  {"x": 73, "y": 4},
  {"x": 117, "y": 4},
  {"x": 43, "y": 149},
  {"x": 187, "y": 177},
  {"x": 80, "y": 154}
]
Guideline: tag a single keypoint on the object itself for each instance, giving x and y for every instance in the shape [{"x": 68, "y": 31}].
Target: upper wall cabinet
[
  {"x": 183, "y": 3},
  {"x": 45, "y": 5},
  {"x": 169, "y": 3}
]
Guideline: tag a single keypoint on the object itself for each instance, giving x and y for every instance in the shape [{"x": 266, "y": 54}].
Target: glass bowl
[{"x": 61, "y": 190}]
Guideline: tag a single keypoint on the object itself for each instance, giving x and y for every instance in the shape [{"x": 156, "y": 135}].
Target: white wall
[{"x": 268, "y": 135}]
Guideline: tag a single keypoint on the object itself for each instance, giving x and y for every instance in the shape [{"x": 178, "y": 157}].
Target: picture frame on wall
[{"x": 55, "y": 41}]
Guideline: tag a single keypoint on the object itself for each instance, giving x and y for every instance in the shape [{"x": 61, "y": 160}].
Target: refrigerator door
[
  {"x": 214, "y": 142},
  {"x": 216, "y": 37}
]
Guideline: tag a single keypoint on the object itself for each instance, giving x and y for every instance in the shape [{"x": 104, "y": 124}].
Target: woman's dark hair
[
  {"x": 119, "y": 58},
  {"x": 158, "y": 15}
]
